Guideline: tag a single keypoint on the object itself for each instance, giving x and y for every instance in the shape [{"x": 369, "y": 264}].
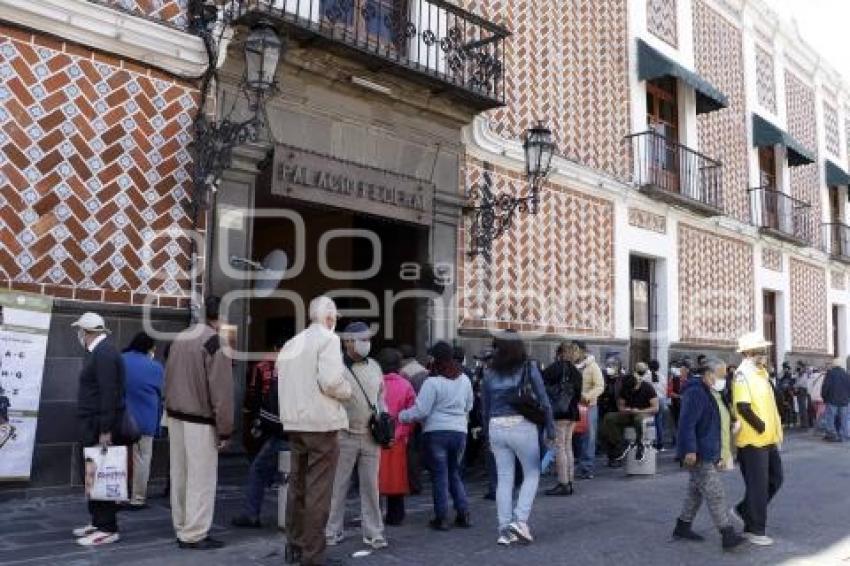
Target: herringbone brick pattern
[
  {"x": 549, "y": 273},
  {"x": 830, "y": 126},
  {"x": 567, "y": 64},
  {"x": 716, "y": 287},
  {"x": 169, "y": 11},
  {"x": 765, "y": 79},
  {"x": 808, "y": 307},
  {"x": 723, "y": 133},
  {"x": 94, "y": 172},
  {"x": 661, "y": 20},
  {"x": 802, "y": 117},
  {"x": 771, "y": 259}
]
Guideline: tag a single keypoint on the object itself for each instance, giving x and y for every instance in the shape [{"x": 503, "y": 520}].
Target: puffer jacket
[{"x": 311, "y": 384}]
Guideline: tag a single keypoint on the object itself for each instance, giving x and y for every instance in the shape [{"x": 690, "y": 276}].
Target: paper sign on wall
[{"x": 24, "y": 325}]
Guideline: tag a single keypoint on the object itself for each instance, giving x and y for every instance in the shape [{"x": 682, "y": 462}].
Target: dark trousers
[
  {"x": 762, "y": 471},
  {"x": 104, "y": 514},
  {"x": 445, "y": 455},
  {"x": 803, "y": 409},
  {"x": 612, "y": 429},
  {"x": 261, "y": 474},
  {"x": 313, "y": 464},
  {"x": 395, "y": 510},
  {"x": 414, "y": 461}
]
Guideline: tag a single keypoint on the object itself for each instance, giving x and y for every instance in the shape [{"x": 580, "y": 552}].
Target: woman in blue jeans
[
  {"x": 512, "y": 436},
  {"x": 443, "y": 406}
]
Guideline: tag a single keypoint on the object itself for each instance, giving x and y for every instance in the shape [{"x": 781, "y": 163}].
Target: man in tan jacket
[
  {"x": 593, "y": 384},
  {"x": 199, "y": 404},
  {"x": 311, "y": 389}
]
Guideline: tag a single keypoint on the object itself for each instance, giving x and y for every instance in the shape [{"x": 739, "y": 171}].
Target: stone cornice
[{"x": 112, "y": 31}]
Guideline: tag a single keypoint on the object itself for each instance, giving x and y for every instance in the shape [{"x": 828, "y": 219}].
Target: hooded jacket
[
  {"x": 836, "y": 387},
  {"x": 699, "y": 423}
]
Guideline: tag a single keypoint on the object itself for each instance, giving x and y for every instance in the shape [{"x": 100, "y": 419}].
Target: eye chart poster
[{"x": 24, "y": 323}]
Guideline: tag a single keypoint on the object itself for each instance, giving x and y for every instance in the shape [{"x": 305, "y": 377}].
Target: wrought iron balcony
[
  {"x": 434, "y": 42},
  {"x": 837, "y": 238},
  {"x": 674, "y": 173},
  {"x": 784, "y": 217}
]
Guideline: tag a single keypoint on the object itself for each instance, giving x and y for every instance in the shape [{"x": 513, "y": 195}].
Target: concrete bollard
[{"x": 284, "y": 465}]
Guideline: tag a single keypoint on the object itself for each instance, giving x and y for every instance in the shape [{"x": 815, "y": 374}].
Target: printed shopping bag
[{"x": 106, "y": 473}]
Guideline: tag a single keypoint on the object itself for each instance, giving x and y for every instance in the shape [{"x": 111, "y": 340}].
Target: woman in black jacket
[{"x": 563, "y": 385}]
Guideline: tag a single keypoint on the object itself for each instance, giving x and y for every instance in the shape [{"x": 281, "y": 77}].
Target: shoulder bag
[
  {"x": 525, "y": 400},
  {"x": 380, "y": 422}
]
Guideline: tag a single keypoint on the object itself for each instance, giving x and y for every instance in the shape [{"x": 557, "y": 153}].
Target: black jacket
[
  {"x": 836, "y": 387},
  {"x": 563, "y": 386},
  {"x": 100, "y": 398}
]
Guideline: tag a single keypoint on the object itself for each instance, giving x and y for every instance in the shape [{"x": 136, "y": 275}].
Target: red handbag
[{"x": 581, "y": 425}]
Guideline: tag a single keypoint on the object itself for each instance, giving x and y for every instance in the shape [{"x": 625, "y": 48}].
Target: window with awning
[
  {"x": 766, "y": 134},
  {"x": 652, "y": 64},
  {"x": 835, "y": 175}
]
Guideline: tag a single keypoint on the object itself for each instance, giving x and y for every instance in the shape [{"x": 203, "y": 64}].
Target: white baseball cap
[{"x": 91, "y": 322}]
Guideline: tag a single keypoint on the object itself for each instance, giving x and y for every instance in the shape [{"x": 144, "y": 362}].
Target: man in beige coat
[
  {"x": 199, "y": 404},
  {"x": 311, "y": 388},
  {"x": 593, "y": 385}
]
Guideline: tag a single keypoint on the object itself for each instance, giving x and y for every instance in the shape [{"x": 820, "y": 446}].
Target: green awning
[
  {"x": 766, "y": 134},
  {"x": 652, "y": 64},
  {"x": 835, "y": 175}
]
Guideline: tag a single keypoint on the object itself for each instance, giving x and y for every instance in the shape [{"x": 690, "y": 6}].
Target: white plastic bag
[{"x": 106, "y": 473}]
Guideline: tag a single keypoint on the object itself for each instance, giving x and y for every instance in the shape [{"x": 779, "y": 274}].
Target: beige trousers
[
  {"x": 142, "y": 453},
  {"x": 564, "y": 451},
  {"x": 194, "y": 474},
  {"x": 361, "y": 452}
]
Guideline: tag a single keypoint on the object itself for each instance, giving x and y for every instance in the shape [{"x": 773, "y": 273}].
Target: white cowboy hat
[
  {"x": 91, "y": 322},
  {"x": 752, "y": 341}
]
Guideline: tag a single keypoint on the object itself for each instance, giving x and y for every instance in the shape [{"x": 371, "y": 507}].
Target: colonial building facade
[{"x": 698, "y": 190}]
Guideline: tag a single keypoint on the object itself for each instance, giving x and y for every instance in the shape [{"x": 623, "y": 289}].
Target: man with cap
[
  {"x": 199, "y": 404},
  {"x": 759, "y": 438},
  {"x": 100, "y": 407},
  {"x": 357, "y": 449}
]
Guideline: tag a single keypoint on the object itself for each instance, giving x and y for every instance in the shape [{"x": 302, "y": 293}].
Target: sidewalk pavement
[{"x": 611, "y": 520}]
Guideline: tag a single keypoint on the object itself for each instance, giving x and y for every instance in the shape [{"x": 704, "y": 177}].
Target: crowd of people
[{"x": 344, "y": 414}]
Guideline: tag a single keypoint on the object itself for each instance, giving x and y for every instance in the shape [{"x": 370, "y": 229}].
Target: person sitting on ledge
[{"x": 636, "y": 401}]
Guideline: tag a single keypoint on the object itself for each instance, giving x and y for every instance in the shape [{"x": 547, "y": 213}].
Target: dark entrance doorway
[
  {"x": 769, "y": 318},
  {"x": 642, "y": 308},
  {"x": 366, "y": 264}
]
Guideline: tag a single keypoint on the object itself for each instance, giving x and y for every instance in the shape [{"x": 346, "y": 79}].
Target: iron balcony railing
[
  {"x": 837, "y": 238},
  {"x": 668, "y": 168},
  {"x": 783, "y": 216},
  {"x": 432, "y": 40}
]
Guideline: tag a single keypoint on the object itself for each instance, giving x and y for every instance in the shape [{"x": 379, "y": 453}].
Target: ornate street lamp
[{"x": 492, "y": 215}]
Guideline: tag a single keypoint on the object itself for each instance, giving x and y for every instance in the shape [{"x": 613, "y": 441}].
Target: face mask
[
  {"x": 81, "y": 337},
  {"x": 720, "y": 385},
  {"x": 362, "y": 347}
]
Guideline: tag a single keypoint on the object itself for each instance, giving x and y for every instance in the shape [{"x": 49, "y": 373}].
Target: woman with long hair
[
  {"x": 563, "y": 385},
  {"x": 443, "y": 406},
  {"x": 512, "y": 436}
]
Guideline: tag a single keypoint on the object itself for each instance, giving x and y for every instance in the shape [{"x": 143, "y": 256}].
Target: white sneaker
[
  {"x": 376, "y": 543},
  {"x": 506, "y": 538},
  {"x": 758, "y": 540},
  {"x": 84, "y": 531},
  {"x": 522, "y": 532},
  {"x": 333, "y": 540},
  {"x": 98, "y": 538}
]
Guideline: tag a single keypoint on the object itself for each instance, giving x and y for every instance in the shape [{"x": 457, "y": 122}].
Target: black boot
[
  {"x": 560, "y": 489},
  {"x": 683, "y": 531},
  {"x": 439, "y": 524},
  {"x": 463, "y": 521},
  {"x": 292, "y": 554},
  {"x": 731, "y": 539}
]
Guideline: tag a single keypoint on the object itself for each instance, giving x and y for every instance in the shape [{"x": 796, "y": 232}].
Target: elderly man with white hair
[{"x": 311, "y": 389}]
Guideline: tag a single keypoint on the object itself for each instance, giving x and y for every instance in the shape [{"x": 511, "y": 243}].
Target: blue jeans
[
  {"x": 509, "y": 442},
  {"x": 587, "y": 460},
  {"x": 659, "y": 423},
  {"x": 262, "y": 473},
  {"x": 833, "y": 414},
  {"x": 445, "y": 458}
]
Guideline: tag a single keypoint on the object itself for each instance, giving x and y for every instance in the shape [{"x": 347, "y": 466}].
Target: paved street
[{"x": 611, "y": 520}]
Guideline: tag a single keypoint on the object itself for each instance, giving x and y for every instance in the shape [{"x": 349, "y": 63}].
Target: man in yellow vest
[{"x": 759, "y": 438}]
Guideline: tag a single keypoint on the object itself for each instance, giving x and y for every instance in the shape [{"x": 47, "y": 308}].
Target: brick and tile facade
[
  {"x": 173, "y": 12},
  {"x": 808, "y": 307},
  {"x": 553, "y": 273},
  {"x": 661, "y": 20},
  {"x": 830, "y": 125},
  {"x": 765, "y": 79},
  {"x": 715, "y": 287},
  {"x": 719, "y": 58},
  {"x": 95, "y": 173},
  {"x": 802, "y": 120}
]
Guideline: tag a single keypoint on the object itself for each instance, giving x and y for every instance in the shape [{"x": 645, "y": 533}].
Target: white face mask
[
  {"x": 362, "y": 347},
  {"x": 720, "y": 385},
  {"x": 81, "y": 337}
]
